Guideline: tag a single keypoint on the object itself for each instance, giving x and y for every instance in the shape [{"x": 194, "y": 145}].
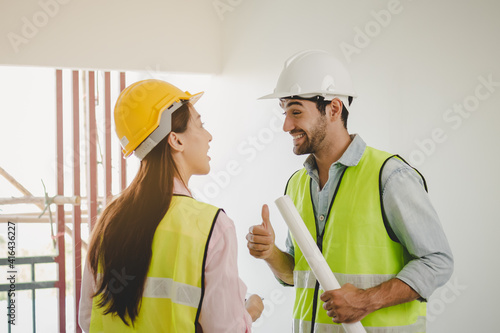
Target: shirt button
[{"x": 321, "y": 217}]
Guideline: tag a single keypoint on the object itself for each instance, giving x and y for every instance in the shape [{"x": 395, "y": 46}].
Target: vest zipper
[
  {"x": 315, "y": 301},
  {"x": 316, "y": 288},
  {"x": 319, "y": 242}
]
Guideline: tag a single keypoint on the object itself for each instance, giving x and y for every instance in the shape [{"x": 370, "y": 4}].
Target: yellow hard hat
[{"x": 143, "y": 114}]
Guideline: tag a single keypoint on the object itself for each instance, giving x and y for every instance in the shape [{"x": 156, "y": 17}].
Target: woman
[{"x": 160, "y": 261}]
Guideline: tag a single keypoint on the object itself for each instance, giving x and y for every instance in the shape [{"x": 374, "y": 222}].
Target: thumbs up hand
[{"x": 261, "y": 237}]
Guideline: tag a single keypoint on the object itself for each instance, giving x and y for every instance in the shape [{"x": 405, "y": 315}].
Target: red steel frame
[
  {"x": 77, "y": 212},
  {"x": 92, "y": 153},
  {"x": 123, "y": 165},
  {"x": 60, "y": 259},
  {"x": 92, "y": 182},
  {"x": 108, "y": 191}
]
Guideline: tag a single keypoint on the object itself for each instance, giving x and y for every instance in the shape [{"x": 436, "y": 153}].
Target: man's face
[{"x": 306, "y": 125}]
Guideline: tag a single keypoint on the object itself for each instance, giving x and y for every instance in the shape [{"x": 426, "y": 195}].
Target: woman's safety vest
[
  {"x": 174, "y": 288},
  {"x": 356, "y": 246}
]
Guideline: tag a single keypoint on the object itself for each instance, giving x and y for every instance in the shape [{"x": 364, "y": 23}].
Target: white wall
[
  {"x": 409, "y": 73},
  {"x": 111, "y": 34},
  {"x": 429, "y": 57}
]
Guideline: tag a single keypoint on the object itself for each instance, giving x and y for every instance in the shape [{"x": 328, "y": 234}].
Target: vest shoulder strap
[{"x": 292, "y": 176}]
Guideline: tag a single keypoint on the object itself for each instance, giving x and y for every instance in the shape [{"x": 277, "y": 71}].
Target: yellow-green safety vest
[
  {"x": 174, "y": 288},
  {"x": 356, "y": 246}
]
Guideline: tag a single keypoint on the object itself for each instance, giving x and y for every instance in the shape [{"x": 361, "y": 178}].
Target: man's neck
[{"x": 330, "y": 154}]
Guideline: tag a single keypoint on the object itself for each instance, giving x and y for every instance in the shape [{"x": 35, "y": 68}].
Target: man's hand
[
  {"x": 261, "y": 245},
  {"x": 261, "y": 237},
  {"x": 350, "y": 304},
  {"x": 346, "y": 305}
]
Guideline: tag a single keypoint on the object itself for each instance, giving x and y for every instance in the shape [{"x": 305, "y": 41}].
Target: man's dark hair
[{"x": 321, "y": 104}]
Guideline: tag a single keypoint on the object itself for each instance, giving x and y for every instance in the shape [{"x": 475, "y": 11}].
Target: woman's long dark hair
[{"x": 121, "y": 242}]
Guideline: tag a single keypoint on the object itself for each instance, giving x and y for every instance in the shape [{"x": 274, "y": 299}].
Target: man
[{"x": 368, "y": 210}]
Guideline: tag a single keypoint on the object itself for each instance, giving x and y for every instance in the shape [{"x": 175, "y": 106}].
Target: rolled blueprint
[{"x": 311, "y": 252}]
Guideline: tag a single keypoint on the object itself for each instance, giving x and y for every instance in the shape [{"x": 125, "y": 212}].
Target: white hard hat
[{"x": 314, "y": 73}]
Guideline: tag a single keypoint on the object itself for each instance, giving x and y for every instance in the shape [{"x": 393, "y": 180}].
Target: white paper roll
[{"x": 311, "y": 252}]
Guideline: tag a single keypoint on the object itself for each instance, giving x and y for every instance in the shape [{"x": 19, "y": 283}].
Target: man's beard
[{"x": 313, "y": 141}]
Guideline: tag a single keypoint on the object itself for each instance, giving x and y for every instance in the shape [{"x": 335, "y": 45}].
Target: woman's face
[{"x": 196, "y": 139}]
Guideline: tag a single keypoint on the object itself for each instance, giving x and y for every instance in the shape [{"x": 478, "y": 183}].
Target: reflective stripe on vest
[
  {"x": 174, "y": 286},
  {"x": 179, "y": 293},
  {"x": 305, "y": 327},
  {"x": 355, "y": 244}
]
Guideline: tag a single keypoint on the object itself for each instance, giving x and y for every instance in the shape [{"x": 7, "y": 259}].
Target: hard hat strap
[
  {"x": 160, "y": 132},
  {"x": 346, "y": 100}
]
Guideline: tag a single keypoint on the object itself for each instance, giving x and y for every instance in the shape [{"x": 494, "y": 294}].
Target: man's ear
[
  {"x": 335, "y": 109},
  {"x": 175, "y": 141}
]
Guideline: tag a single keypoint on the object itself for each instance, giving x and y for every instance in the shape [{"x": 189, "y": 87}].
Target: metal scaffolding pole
[
  {"x": 60, "y": 259},
  {"x": 77, "y": 211}
]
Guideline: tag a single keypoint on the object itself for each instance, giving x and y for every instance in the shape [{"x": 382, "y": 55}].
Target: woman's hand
[{"x": 254, "y": 306}]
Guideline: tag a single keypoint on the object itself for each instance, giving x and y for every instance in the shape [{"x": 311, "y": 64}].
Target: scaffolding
[{"x": 90, "y": 201}]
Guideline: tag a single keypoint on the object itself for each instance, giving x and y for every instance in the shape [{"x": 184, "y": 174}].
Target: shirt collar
[
  {"x": 350, "y": 157},
  {"x": 180, "y": 188}
]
